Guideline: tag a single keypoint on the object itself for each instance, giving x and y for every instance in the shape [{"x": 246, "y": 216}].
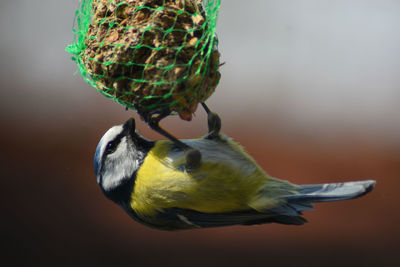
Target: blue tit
[{"x": 151, "y": 181}]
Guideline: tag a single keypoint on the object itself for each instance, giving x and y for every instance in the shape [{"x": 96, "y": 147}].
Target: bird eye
[{"x": 111, "y": 147}]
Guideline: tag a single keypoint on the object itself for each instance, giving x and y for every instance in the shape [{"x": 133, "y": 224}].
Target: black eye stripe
[
  {"x": 113, "y": 144},
  {"x": 111, "y": 147}
]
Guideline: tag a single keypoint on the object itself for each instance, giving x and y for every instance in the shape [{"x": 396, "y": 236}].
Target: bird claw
[
  {"x": 214, "y": 124},
  {"x": 192, "y": 155}
]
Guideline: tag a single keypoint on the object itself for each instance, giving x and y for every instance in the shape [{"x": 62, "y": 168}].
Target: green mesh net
[{"x": 154, "y": 56}]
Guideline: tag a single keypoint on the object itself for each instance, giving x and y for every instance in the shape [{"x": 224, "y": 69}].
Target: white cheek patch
[{"x": 119, "y": 165}]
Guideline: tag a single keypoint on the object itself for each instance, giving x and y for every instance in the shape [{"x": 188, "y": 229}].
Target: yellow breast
[{"x": 215, "y": 187}]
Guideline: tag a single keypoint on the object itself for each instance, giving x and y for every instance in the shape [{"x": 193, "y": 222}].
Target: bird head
[{"x": 118, "y": 156}]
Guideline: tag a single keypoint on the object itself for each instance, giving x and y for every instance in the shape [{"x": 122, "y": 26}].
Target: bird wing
[{"x": 179, "y": 219}]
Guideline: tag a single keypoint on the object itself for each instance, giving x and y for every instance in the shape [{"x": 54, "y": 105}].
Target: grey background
[{"x": 312, "y": 63}]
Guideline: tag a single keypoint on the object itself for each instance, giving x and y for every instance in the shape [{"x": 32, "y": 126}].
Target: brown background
[{"x": 54, "y": 214}]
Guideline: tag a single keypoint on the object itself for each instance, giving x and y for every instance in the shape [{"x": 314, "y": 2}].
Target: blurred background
[{"x": 310, "y": 88}]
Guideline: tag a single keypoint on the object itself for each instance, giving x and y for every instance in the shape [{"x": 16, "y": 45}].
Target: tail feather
[
  {"x": 307, "y": 194},
  {"x": 331, "y": 192},
  {"x": 291, "y": 211}
]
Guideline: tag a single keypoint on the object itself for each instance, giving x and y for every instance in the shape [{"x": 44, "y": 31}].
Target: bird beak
[
  {"x": 129, "y": 126},
  {"x": 129, "y": 129}
]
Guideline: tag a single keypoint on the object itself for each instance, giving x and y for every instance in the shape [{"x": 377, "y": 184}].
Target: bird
[{"x": 158, "y": 186}]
